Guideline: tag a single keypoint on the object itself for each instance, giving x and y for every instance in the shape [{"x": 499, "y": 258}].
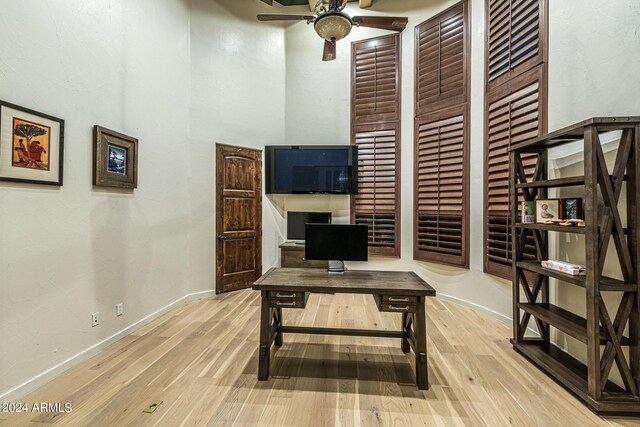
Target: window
[
  {"x": 441, "y": 150},
  {"x": 515, "y": 111},
  {"x": 375, "y": 129}
]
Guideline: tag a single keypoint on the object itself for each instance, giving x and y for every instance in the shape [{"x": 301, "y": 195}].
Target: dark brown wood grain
[
  {"x": 604, "y": 223},
  {"x": 394, "y": 291},
  {"x": 441, "y": 138},
  {"x": 351, "y": 281},
  {"x": 375, "y": 129},
  {"x": 238, "y": 217},
  {"x": 292, "y": 256},
  {"x": 516, "y": 39}
]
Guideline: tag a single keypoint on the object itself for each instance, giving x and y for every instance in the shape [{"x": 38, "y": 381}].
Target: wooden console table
[
  {"x": 292, "y": 256},
  {"x": 394, "y": 291}
]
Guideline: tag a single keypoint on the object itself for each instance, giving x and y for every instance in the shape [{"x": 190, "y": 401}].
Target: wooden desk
[{"x": 394, "y": 291}]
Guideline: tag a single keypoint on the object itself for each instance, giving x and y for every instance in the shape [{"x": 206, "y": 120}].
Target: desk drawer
[
  {"x": 288, "y": 299},
  {"x": 398, "y": 307},
  {"x": 399, "y": 300}
]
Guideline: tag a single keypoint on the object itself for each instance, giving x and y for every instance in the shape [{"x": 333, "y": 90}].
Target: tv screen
[
  {"x": 336, "y": 242},
  {"x": 296, "y": 222},
  {"x": 331, "y": 169}
]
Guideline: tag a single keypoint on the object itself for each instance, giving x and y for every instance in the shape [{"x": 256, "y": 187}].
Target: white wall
[
  {"x": 179, "y": 77},
  {"x": 238, "y": 87}
]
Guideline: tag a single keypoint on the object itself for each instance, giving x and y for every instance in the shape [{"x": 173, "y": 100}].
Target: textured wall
[{"x": 179, "y": 77}]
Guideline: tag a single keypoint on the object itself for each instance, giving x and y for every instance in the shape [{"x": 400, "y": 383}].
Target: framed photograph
[
  {"x": 547, "y": 209},
  {"x": 572, "y": 208},
  {"x": 115, "y": 159},
  {"x": 31, "y": 146},
  {"x": 528, "y": 213}
]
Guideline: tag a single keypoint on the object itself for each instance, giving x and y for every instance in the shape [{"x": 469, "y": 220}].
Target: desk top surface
[{"x": 352, "y": 281}]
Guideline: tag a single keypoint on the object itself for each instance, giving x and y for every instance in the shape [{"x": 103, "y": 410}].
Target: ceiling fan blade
[
  {"x": 393, "y": 23},
  {"x": 269, "y": 2},
  {"x": 329, "y": 53},
  {"x": 272, "y": 17}
]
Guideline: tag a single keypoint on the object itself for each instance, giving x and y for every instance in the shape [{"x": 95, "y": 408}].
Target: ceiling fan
[{"x": 332, "y": 24}]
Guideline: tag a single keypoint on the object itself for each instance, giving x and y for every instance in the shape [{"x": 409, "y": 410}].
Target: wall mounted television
[{"x": 311, "y": 169}]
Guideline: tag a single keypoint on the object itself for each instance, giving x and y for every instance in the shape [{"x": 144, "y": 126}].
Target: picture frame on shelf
[
  {"x": 528, "y": 212},
  {"x": 115, "y": 159},
  {"x": 547, "y": 209},
  {"x": 31, "y": 146},
  {"x": 572, "y": 208}
]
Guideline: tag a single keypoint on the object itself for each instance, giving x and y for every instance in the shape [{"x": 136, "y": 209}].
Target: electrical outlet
[
  {"x": 95, "y": 319},
  {"x": 119, "y": 309}
]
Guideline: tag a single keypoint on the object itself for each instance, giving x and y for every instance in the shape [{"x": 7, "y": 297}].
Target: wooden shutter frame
[
  {"x": 541, "y": 58},
  {"x": 444, "y": 102},
  {"x": 441, "y": 109},
  {"x": 428, "y": 256},
  {"x": 380, "y": 122},
  {"x": 377, "y": 41},
  {"x": 537, "y": 75}
]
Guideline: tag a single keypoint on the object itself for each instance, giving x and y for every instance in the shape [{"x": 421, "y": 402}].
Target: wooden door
[{"x": 238, "y": 217}]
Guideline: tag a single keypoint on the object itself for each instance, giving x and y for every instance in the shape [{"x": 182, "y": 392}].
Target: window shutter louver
[
  {"x": 441, "y": 214},
  {"x": 513, "y": 116},
  {"x": 441, "y": 170},
  {"x": 514, "y": 42},
  {"x": 440, "y": 66},
  {"x": 375, "y": 119},
  {"x": 376, "y": 80}
]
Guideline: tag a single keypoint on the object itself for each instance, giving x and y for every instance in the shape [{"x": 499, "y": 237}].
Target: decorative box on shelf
[{"x": 565, "y": 267}]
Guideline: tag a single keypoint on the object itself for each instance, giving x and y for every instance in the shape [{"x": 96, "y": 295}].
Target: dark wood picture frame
[
  {"x": 558, "y": 209},
  {"x": 53, "y": 149},
  {"x": 106, "y": 166}
]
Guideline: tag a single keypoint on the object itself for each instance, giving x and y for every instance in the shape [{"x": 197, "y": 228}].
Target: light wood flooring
[{"x": 201, "y": 361}]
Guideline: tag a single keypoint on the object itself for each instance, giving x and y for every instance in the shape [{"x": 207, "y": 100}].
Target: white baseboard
[
  {"x": 477, "y": 307},
  {"x": 485, "y": 310},
  {"x": 51, "y": 373}
]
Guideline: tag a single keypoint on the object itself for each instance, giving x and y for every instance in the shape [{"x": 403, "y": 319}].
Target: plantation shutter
[
  {"x": 441, "y": 214},
  {"x": 376, "y": 80},
  {"x": 376, "y": 201},
  {"x": 375, "y": 129},
  {"x": 441, "y": 139},
  {"x": 513, "y": 116},
  {"x": 441, "y": 61},
  {"x": 514, "y": 38}
]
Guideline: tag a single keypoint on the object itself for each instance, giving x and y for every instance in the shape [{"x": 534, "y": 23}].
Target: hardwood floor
[{"x": 201, "y": 361}]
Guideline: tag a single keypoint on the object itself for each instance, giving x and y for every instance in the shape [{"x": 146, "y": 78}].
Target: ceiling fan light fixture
[{"x": 333, "y": 26}]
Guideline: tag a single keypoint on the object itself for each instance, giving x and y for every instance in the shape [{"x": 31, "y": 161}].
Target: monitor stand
[{"x": 336, "y": 267}]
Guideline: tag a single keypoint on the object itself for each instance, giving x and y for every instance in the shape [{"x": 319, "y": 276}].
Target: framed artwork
[
  {"x": 31, "y": 146},
  {"x": 528, "y": 213},
  {"x": 572, "y": 208},
  {"x": 547, "y": 209},
  {"x": 115, "y": 159}
]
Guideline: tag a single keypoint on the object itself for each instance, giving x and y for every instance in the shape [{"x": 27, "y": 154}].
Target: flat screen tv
[
  {"x": 296, "y": 222},
  {"x": 336, "y": 242},
  {"x": 311, "y": 169}
]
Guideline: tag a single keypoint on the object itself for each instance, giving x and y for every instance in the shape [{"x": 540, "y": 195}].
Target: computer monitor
[
  {"x": 336, "y": 242},
  {"x": 296, "y": 222}
]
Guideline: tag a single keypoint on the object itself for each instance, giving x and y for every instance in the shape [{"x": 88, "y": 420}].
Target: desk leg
[
  {"x": 405, "y": 341},
  {"x": 264, "y": 350},
  {"x": 278, "y": 340},
  {"x": 420, "y": 328}
]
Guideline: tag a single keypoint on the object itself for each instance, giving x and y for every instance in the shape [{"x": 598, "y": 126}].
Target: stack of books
[{"x": 564, "y": 267}]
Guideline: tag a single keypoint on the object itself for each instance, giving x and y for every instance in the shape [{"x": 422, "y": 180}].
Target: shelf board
[
  {"x": 547, "y": 227},
  {"x": 557, "y": 182},
  {"x": 564, "y": 320},
  {"x": 606, "y": 283},
  {"x": 573, "y": 375},
  {"x": 575, "y": 132}
]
